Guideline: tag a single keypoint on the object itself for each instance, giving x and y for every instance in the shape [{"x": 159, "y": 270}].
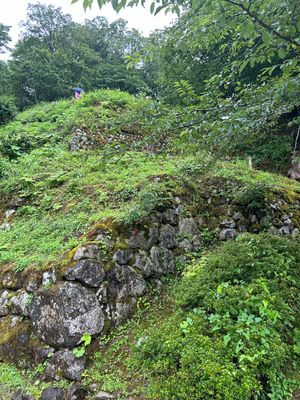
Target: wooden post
[{"x": 250, "y": 162}]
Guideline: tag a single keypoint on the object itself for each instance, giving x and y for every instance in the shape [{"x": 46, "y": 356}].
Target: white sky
[{"x": 13, "y": 11}]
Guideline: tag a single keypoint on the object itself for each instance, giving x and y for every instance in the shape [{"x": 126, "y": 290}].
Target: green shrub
[
  {"x": 8, "y": 109},
  {"x": 236, "y": 332}
]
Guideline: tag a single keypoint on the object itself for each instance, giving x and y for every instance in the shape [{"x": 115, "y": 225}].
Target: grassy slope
[{"x": 65, "y": 193}]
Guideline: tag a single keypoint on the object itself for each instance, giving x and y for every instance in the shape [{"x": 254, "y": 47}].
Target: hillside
[{"x": 105, "y": 221}]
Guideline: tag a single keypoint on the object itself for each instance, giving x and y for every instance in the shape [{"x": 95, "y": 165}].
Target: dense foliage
[
  {"x": 236, "y": 331},
  {"x": 55, "y": 54}
]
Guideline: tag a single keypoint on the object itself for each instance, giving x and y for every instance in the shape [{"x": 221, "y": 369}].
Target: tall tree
[
  {"x": 4, "y": 37},
  {"x": 46, "y": 23}
]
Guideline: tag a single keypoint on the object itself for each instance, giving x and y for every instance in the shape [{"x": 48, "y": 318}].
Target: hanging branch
[{"x": 257, "y": 19}]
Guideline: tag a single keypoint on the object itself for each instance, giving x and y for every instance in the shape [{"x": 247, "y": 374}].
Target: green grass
[
  {"x": 240, "y": 171},
  {"x": 64, "y": 193},
  {"x": 13, "y": 379},
  {"x": 67, "y": 192}
]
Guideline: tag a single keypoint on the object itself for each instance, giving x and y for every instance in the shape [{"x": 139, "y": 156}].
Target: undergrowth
[{"x": 229, "y": 330}]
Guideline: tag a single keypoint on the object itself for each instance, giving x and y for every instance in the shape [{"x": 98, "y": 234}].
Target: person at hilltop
[{"x": 78, "y": 92}]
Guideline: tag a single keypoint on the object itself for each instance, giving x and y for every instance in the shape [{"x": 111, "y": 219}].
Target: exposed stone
[
  {"x": 228, "y": 224},
  {"x": 137, "y": 240},
  {"x": 253, "y": 219},
  {"x": 284, "y": 230},
  {"x": 153, "y": 236},
  {"x": 88, "y": 251},
  {"x": 62, "y": 313},
  {"x": 49, "y": 278},
  {"x": 287, "y": 222},
  {"x": 102, "y": 294},
  {"x": 260, "y": 213},
  {"x": 29, "y": 279},
  {"x": 144, "y": 263},
  {"x": 186, "y": 245},
  {"x": 79, "y": 141},
  {"x": 64, "y": 364},
  {"x": 19, "y": 303},
  {"x": 53, "y": 393},
  {"x": 16, "y": 341},
  {"x": 167, "y": 236},
  {"x": 187, "y": 226},
  {"x": 273, "y": 230},
  {"x": 237, "y": 216},
  {"x": 104, "y": 396},
  {"x": 295, "y": 232},
  {"x": 4, "y": 302},
  {"x": 170, "y": 216},
  {"x": 227, "y": 234},
  {"x": 9, "y": 213},
  {"x": 242, "y": 228},
  {"x": 75, "y": 392},
  {"x": 20, "y": 395},
  {"x": 162, "y": 260},
  {"x": 127, "y": 280},
  {"x": 88, "y": 271},
  {"x": 42, "y": 354},
  {"x": 196, "y": 242},
  {"x": 123, "y": 310},
  {"x": 122, "y": 256},
  {"x": 5, "y": 226}
]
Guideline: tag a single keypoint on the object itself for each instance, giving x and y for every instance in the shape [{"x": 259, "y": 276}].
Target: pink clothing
[{"x": 77, "y": 95}]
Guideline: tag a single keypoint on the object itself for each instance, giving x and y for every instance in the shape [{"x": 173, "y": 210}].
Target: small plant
[{"x": 85, "y": 342}]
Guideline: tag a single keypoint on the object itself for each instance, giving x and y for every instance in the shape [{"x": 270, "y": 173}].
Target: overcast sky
[{"x": 13, "y": 11}]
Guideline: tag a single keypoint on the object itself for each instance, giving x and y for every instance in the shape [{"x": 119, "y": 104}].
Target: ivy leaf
[
  {"x": 86, "y": 339},
  {"x": 78, "y": 352}
]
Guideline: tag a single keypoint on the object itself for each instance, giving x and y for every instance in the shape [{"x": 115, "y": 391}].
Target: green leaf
[
  {"x": 227, "y": 339},
  {"x": 282, "y": 53},
  {"x": 152, "y": 7},
  {"x": 78, "y": 352},
  {"x": 159, "y": 9},
  {"x": 267, "y": 38},
  {"x": 243, "y": 66},
  {"x": 86, "y": 339}
]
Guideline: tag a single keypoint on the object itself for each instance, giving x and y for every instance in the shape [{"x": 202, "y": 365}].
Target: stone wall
[{"x": 45, "y": 313}]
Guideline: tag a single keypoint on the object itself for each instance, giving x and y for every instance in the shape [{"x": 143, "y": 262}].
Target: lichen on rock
[{"x": 62, "y": 313}]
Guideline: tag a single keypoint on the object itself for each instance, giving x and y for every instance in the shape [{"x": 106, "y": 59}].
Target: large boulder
[
  {"x": 63, "y": 313},
  {"x": 162, "y": 260},
  {"x": 88, "y": 272}
]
